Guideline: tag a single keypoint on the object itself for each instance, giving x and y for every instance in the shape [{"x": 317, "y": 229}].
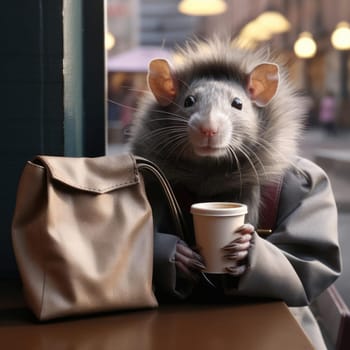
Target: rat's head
[
  {"x": 220, "y": 105},
  {"x": 213, "y": 105}
]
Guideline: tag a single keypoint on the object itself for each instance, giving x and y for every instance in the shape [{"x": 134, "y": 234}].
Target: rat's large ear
[
  {"x": 263, "y": 83},
  {"x": 161, "y": 81}
]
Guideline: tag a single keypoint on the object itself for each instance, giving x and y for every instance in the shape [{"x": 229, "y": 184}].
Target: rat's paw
[
  {"x": 237, "y": 251},
  {"x": 188, "y": 262},
  {"x": 238, "y": 248}
]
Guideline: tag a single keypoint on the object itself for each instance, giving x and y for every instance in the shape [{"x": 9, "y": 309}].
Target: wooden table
[{"x": 260, "y": 326}]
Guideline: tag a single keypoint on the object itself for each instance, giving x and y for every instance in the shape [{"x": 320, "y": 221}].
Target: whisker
[
  {"x": 253, "y": 153},
  {"x": 130, "y": 88},
  {"x": 177, "y": 143},
  {"x": 172, "y": 144},
  {"x": 241, "y": 150},
  {"x": 169, "y": 133},
  {"x": 122, "y": 105},
  {"x": 167, "y": 130},
  {"x": 158, "y": 111},
  {"x": 170, "y": 117},
  {"x": 234, "y": 155},
  {"x": 272, "y": 150}
]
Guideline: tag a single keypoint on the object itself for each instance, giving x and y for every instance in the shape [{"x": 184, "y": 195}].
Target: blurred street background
[{"x": 331, "y": 152}]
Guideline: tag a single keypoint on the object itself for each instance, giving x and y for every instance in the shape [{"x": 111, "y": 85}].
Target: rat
[
  {"x": 216, "y": 128},
  {"x": 222, "y": 123}
]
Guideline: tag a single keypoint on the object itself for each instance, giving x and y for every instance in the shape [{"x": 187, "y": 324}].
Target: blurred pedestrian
[{"x": 327, "y": 114}]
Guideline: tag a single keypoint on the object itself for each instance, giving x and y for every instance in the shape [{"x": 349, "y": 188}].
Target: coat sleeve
[{"x": 301, "y": 258}]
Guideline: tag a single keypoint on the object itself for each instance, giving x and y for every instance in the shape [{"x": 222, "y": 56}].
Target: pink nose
[{"x": 208, "y": 131}]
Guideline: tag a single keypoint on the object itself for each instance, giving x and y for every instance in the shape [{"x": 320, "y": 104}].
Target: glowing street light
[
  {"x": 341, "y": 36},
  {"x": 262, "y": 28},
  {"x": 202, "y": 7},
  {"x": 273, "y": 22},
  {"x": 305, "y": 46}
]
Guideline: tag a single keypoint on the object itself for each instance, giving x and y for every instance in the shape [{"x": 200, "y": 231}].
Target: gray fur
[{"x": 263, "y": 139}]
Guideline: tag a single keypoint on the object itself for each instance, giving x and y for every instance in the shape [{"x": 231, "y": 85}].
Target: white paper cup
[{"x": 214, "y": 227}]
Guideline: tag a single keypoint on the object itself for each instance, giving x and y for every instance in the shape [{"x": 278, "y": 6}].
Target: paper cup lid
[{"x": 219, "y": 209}]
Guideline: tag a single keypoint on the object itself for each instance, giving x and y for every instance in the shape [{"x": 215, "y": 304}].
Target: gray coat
[{"x": 297, "y": 262}]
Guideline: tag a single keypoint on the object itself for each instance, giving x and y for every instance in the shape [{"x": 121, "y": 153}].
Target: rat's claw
[
  {"x": 246, "y": 229},
  {"x": 234, "y": 247},
  {"x": 184, "y": 250},
  {"x": 240, "y": 255},
  {"x": 188, "y": 262},
  {"x": 243, "y": 238},
  {"x": 236, "y": 270},
  {"x": 185, "y": 271}
]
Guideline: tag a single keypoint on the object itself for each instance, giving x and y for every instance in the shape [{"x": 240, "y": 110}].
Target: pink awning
[{"x": 137, "y": 59}]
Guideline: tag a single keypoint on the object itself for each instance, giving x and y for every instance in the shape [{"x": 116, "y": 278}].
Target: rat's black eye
[
  {"x": 237, "y": 103},
  {"x": 189, "y": 101}
]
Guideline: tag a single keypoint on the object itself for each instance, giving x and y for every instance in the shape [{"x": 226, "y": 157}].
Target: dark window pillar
[{"x": 52, "y": 92}]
